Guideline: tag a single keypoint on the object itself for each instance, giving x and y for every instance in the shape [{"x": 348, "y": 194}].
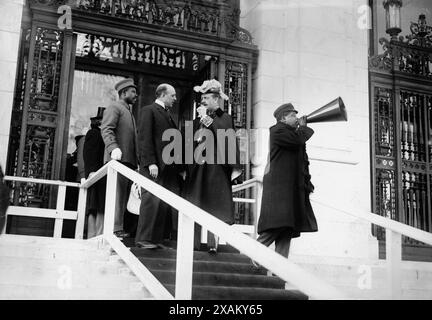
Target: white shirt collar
[{"x": 161, "y": 103}]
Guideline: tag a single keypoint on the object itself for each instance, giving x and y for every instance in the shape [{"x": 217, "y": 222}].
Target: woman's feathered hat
[{"x": 211, "y": 86}]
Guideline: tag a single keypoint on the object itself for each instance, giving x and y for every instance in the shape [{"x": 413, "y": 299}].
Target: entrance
[{"x": 57, "y": 92}]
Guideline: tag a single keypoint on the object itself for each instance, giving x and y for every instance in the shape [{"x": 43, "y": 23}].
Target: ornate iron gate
[{"x": 401, "y": 118}]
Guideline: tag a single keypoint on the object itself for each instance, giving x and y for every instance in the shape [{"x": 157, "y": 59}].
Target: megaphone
[{"x": 332, "y": 111}]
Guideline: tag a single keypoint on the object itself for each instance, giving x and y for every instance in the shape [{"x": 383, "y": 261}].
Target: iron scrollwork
[{"x": 205, "y": 17}]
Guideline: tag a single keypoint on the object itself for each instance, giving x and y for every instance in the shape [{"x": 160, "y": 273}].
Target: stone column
[
  {"x": 311, "y": 52},
  {"x": 10, "y": 24}
]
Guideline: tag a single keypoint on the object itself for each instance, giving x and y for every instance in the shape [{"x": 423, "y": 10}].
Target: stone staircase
[
  {"x": 227, "y": 275},
  {"x": 47, "y": 268}
]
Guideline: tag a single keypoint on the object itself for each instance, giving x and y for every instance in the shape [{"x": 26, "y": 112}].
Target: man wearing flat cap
[
  {"x": 118, "y": 131},
  {"x": 208, "y": 183},
  {"x": 285, "y": 208}
]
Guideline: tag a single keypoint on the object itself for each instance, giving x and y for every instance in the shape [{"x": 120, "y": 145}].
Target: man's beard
[{"x": 130, "y": 100}]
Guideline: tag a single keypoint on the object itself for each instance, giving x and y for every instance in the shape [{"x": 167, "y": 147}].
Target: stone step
[
  {"x": 353, "y": 275},
  {"x": 50, "y": 242},
  {"x": 236, "y": 293},
  {"x": 223, "y": 279},
  {"x": 203, "y": 266},
  {"x": 198, "y": 255},
  {"x": 53, "y": 253},
  {"x": 30, "y": 292}
]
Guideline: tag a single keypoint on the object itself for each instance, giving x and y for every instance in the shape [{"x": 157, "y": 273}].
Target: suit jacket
[
  {"x": 153, "y": 121},
  {"x": 118, "y": 130}
]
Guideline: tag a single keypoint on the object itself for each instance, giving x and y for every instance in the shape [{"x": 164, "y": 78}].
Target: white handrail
[
  {"x": 286, "y": 270},
  {"x": 42, "y": 181},
  {"x": 59, "y": 214},
  {"x": 387, "y": 223}
]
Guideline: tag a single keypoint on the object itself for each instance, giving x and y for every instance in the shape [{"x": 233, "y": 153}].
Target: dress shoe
[
  {"x": 162, "y": 246},
  {"x": 146, "y": 245},
  {"x": 121, "y": 234},
  {"x": 212, "y": 251}
]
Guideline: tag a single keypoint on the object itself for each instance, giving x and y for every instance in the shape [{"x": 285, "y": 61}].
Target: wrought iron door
[
  {"x": 401, "y": 117},
  {"x": 34, "y": 141}
]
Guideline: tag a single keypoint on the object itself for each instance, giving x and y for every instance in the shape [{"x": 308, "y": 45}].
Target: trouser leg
[
  {"x": 122, "y": 196},
  {"x": 283, "y": 242},
  {"x": 197, "y": 237},
  {"x": 151, "y": 221},
  {"x": 267, "y": 237},
  {"x": 99, "y": 223},
  {"x": 212, "y": 240},
  {"x": 91, "y": 226}
]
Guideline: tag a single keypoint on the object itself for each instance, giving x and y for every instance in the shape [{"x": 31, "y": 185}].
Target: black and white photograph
[{"x": 215, "y": 155}]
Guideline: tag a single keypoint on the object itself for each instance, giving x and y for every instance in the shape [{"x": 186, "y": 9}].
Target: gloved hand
[
  {"x": 154, "y": 170},
  {"x": 116, "y": 154},
  {"x": 235, "y": 174}
]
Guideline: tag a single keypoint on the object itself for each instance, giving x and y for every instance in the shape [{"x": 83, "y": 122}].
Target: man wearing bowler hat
[
  {"x": 119, "y": 134},
  {"x": 285, "y": 208}
]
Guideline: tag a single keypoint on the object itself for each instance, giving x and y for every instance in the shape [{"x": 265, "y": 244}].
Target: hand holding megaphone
[{"x": 302, "y": 121}]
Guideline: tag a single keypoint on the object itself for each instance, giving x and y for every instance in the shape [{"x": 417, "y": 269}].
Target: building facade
[{"x": 61, "y": 65}]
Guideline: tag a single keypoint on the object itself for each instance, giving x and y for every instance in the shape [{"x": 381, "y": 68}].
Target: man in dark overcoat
[
  {"x": 119, "y": 134},
  {"x": 155, "y": 214},
  {"x": 208, "y": 183},
  {"x": 285, "y": 208},
  {"x": 93, "y": 153}
]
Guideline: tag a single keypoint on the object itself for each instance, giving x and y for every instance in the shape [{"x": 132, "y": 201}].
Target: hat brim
[{"x": 129, "y": 86}]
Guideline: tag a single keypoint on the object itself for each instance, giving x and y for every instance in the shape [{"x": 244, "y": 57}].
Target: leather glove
[
  {"x": 154, "y": 170},
  {"x": 116, "y": 154}
]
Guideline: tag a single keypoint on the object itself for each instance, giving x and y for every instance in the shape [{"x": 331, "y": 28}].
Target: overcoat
[
  {"x": 209, "y": 185},
  {"x": 286, "y": 185},
  {"x": 119, "y": 131},
  {"x": 93, "y": 161}
]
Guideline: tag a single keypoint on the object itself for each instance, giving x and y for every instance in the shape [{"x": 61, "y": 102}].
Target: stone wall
[
  {"x": 311, "y": 52},
  {"x": 10, "y": 24}
]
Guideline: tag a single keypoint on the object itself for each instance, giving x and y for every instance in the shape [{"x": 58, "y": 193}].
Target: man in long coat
[
  {"x": 285, "y": 208},
  {"x": 93, "y": 153},
  {"x": 209, "y": 177},
  {"x": 155, "y": 214},
  {"x": 118, "y": 131}
]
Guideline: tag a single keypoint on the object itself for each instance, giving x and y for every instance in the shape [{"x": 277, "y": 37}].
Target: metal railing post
[
  {"x": 58, "y": 224},
  {"x": 82, "y": 203},
  {"x": 184, "y": 263},
  {"x": 394, "y": 260},
  {"x": 110, "y": 201}
]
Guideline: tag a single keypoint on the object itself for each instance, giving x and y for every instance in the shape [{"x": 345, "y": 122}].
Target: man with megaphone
[{"x": 285, "y": 208}]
